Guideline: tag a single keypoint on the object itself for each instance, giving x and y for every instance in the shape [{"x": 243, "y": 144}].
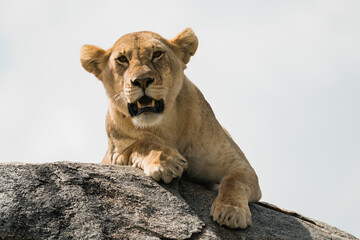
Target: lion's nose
[{"x": 143, "y": 82}]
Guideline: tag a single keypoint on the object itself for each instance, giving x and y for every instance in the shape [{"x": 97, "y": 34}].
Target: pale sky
[{"x": 282, "y": 76}]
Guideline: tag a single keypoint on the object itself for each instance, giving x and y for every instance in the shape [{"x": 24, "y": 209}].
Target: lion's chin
[{"x": 147, "y": 119}]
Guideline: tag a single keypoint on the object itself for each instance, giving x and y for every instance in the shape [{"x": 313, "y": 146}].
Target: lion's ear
[
  {"x": 93, "y": 59},
  {"x": 186, "y": 43}
]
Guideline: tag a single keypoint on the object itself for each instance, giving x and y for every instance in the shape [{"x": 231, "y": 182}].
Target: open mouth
[{"x": 145, "y": 104}]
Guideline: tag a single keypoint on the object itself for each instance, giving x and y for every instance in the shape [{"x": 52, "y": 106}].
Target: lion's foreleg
[
  {"x": 236, "y": 190},
  {"x": 157, "y": 160}
]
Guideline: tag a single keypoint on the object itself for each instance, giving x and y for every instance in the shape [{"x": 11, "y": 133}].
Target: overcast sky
[{"x": 282, "y": 76}]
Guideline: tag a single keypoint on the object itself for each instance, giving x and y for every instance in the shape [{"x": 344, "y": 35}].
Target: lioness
[{"x": 159, "y": 121}]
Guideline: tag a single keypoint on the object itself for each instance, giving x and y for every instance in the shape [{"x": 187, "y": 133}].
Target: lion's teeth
[
  {"x": 153, "y": 103},
  {"x": 138, "y": 104}
]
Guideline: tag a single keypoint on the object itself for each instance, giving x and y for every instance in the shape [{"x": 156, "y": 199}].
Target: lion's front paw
[
  {"x": 117, "y": 158},
  {"x": 237, "y": 216},
  {"x": 165, "y": 166}
]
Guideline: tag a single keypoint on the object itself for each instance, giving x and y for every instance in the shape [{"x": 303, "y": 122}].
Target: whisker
[
  {"x": 158, "y": 88},
  {"x": 132, "y": 91},
  {"x": 117, "y": 95}
]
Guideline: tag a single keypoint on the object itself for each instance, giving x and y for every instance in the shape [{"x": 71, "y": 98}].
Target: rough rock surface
[{"x": 66, "y": 200}]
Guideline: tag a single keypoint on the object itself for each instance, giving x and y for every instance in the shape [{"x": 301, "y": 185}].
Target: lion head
[{"x": 142, "y": 73}]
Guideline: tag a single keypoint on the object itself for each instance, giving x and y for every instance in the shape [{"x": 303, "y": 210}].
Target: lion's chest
[{"x": 203, "y": 165}]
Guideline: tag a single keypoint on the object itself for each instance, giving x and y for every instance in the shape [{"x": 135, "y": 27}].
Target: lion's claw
[
  {"x": 168, "y": 168},
  {"x": 231, "y": 216}
]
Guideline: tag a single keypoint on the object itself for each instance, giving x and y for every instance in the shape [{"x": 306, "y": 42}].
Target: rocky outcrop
[{"x": 66, "y": 200}]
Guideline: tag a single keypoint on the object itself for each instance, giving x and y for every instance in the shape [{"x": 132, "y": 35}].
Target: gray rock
[{"x": 66, "y": 200}]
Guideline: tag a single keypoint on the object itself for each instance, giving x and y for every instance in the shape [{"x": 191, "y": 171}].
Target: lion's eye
[
  {"x": 157, "y": 54},
  {"x": 122, "y": 59}
]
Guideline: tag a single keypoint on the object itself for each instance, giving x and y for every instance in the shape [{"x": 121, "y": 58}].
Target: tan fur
[{"x": 186, "y": 136}]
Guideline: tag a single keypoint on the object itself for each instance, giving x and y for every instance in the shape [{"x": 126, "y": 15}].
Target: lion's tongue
[{"x": 146, "y": 101}]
